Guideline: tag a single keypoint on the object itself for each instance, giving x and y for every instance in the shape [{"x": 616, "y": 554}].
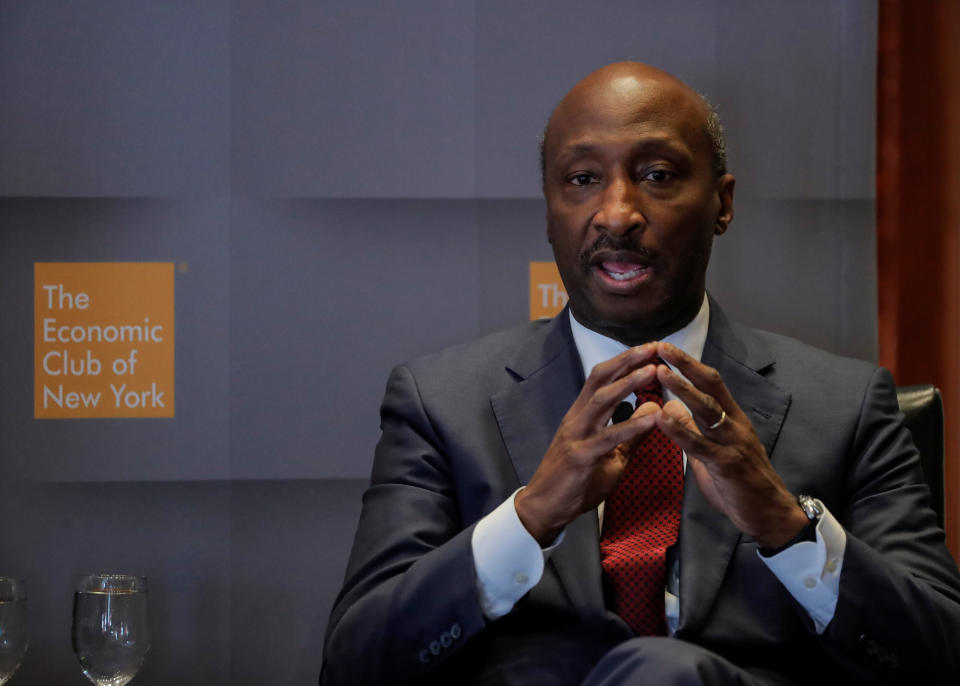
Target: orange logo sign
[
  {"x": 103, "y": 339},
  {"x": 547, "y": 295}
]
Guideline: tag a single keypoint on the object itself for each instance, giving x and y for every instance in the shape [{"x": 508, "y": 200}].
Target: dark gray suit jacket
[{"x": 462, "y": 429}]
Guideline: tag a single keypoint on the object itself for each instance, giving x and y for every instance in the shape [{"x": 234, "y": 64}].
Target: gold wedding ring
[{"x": 723, "y": 418}]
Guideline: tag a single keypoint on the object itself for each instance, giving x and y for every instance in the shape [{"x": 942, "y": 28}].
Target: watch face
[{"x": 811, "y": 507}]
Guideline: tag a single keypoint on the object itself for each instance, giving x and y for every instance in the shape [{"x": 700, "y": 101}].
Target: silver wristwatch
[{"x": 811, "y": 507}]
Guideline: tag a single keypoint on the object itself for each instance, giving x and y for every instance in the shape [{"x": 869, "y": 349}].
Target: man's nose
[{"x": 619, "y": 211}]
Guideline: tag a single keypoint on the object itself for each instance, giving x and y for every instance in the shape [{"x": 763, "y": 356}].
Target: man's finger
[
  {"x": 620, "y": 365},
  {"x": 635, "y": 428},
  {"x": 705, "y": 482},
  {"x": 704, "y": 378},
  {"x": 678, "y": 426},
  {"x": 593, "y": 411},
  {"x": 705, "y": 409}
]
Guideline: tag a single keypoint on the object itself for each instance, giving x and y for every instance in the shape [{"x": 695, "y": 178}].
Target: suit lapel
[
  {"x": 707, "y": 539},
  {"x": 549, "y": 377}
]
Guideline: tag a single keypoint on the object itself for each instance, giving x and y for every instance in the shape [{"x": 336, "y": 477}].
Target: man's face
[{"x": 633, "y": 203}]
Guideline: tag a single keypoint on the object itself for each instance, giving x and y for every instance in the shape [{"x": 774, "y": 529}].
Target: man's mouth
[
  {"x": 617, "y": 269},
  {"x": 623, "y": 277},
  {"x": 622, "y": 274},
  {"x": 622, "y": 271}
]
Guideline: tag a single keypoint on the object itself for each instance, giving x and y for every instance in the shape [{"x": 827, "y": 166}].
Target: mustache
[{"x": 621, "y": 248}]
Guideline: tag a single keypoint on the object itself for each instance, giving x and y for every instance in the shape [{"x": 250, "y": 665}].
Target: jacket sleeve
[
  {"x": 898, "y": 614},
  {"x": 409, "y": 599}
]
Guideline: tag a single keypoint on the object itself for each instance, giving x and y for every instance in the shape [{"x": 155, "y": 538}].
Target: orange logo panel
[
  {"x": 547, "y": 294},
  {"x": 103, "y": 339}
]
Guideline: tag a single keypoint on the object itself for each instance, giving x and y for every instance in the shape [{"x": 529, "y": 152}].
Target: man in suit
[{"x": 487, "y": 550}]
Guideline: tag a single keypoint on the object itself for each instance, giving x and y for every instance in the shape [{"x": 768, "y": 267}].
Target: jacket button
[
  {"x": 424, "y": 657},
  {"x": 435, "y": 648},
  {"x": 446, "y": 639},
  {"x": 455, "y": 631}
]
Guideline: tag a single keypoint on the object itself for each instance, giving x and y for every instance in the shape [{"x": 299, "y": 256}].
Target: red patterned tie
[{"x": 640, "y": 521}]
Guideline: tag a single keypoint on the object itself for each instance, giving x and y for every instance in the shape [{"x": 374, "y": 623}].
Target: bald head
[{"x": 616, "y": 88}]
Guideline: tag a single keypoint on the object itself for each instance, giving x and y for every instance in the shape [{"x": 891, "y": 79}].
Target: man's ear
[{"x": 725, "y": 186}]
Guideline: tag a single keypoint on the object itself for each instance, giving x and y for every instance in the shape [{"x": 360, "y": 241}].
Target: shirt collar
[{"x": 595, "y": 348}]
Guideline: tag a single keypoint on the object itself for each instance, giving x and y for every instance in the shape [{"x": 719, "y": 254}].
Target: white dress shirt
[{"x": 509, "y": 561}]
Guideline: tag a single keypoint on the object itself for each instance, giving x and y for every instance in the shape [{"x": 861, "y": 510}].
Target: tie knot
[{"x": 652, "y": 392}]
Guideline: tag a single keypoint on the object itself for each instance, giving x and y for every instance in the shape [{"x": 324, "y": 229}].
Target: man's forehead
[
  {"x": 626, "y": 94},
  {"x": 595, "y": 120},
  {"x": 621, "y": 91}
]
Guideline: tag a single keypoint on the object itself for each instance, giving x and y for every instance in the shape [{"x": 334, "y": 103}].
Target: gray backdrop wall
[{"x": 345, "y": 185}]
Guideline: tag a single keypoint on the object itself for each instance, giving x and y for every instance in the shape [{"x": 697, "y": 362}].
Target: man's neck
[{"x": 638, "y": 333}]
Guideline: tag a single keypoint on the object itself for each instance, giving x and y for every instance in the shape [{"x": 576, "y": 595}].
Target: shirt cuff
[
  {"x": 810, "y": 570},
  {"x": 508, "y": 560}
]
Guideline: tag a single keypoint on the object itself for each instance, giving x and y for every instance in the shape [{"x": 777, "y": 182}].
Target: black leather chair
[{"x": 922, "y": 408}]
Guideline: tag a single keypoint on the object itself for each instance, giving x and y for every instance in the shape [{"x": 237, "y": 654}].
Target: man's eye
[
  {"x": 581, "y": 179},
  {"x": 658, "y": 175}
]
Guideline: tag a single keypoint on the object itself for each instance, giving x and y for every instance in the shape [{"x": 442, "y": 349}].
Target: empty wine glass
[
  {"x": 110, "y": 633},
  {"x": 13, "y": 629}
]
